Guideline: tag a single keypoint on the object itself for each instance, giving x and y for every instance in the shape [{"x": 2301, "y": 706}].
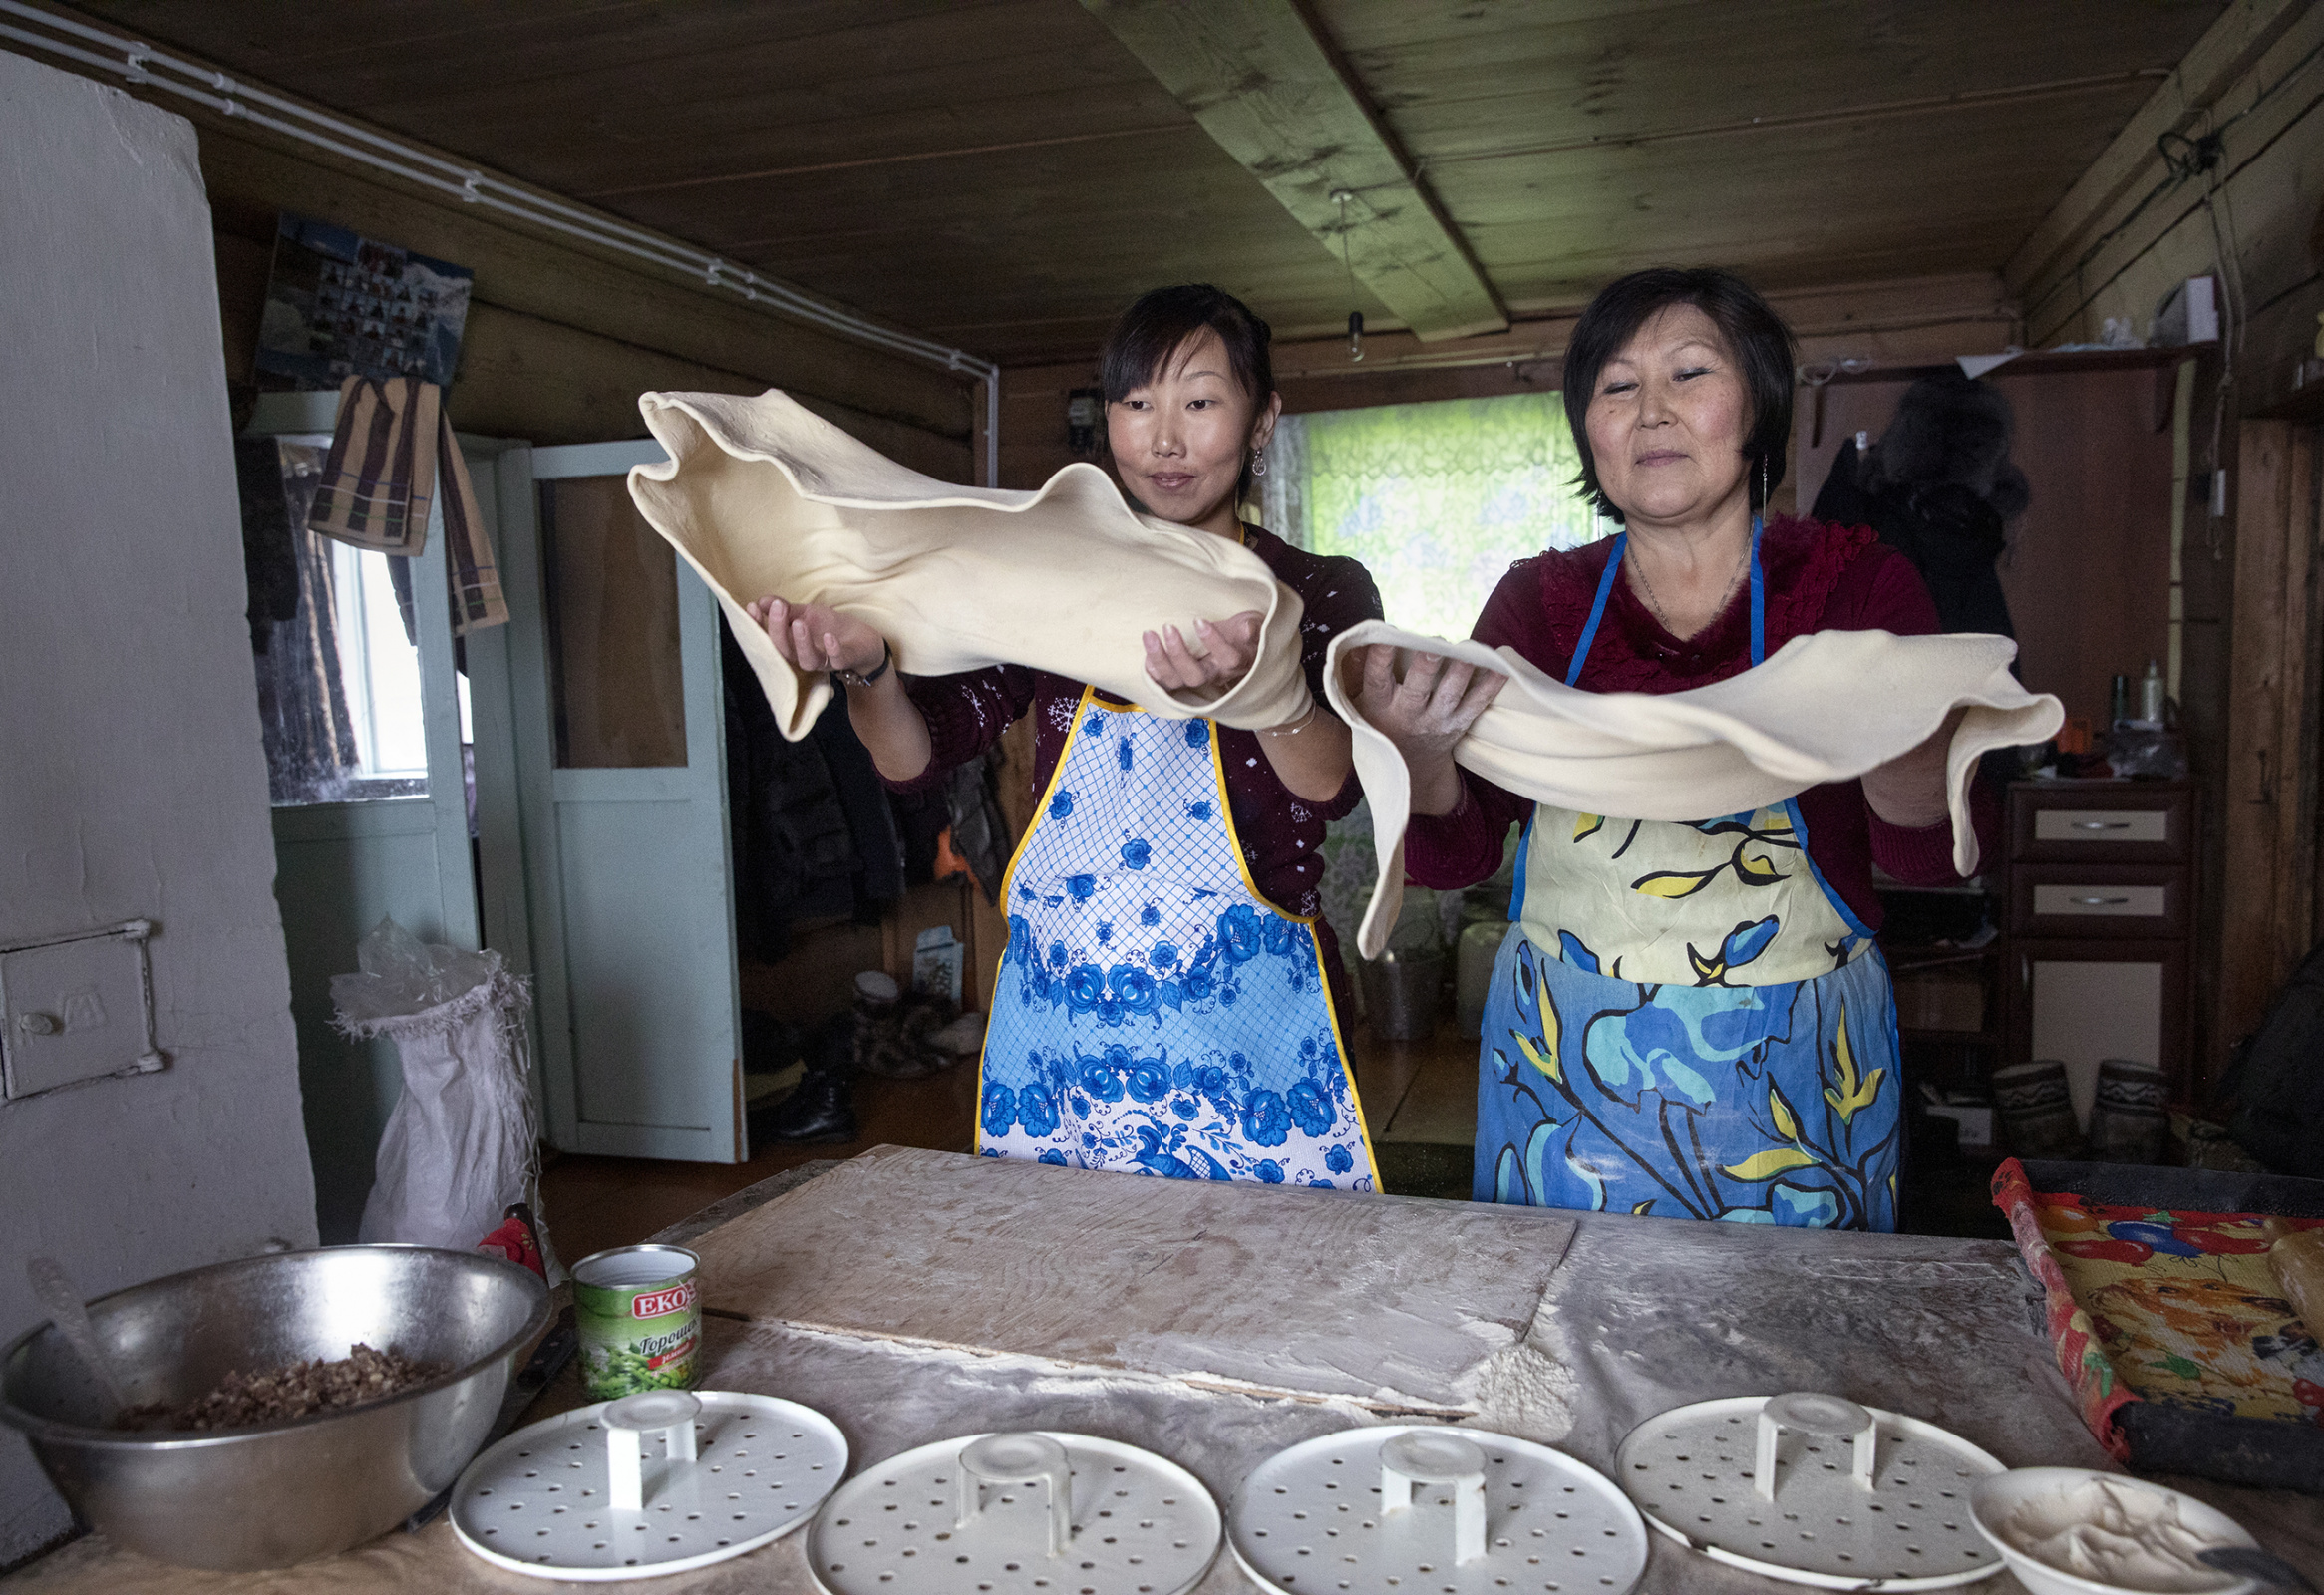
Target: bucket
[
  {"x": 1473, "y": 973},
  {"x": 1402, "y": 993}
]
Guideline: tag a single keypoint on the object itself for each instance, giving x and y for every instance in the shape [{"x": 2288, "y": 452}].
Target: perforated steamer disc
[
  {"x": 1142, "y": 1525},
  {"x": 1308, "y": 1521},
  {"x": 1690, "y": 1470},
  {"x": 538, "y": 1502}
]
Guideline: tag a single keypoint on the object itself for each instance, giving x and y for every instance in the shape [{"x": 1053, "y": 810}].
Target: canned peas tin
[{"x": 639, "y": 1312}]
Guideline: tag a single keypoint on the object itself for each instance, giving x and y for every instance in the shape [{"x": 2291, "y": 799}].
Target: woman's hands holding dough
[
  {"x": 1229, "y": 649},
  {"x": 1424, "y": 714},
  {"x": 1909, "y": 791},
  {"x": 818, "y": 637}
]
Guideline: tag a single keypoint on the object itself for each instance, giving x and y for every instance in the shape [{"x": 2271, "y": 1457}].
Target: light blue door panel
[{"x": 628, "y": 879}]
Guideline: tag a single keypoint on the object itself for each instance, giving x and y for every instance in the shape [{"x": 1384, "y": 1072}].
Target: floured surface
[
  {"x": 1644, "y": 1315},
  {"x": 1393, "y": 1300},
  {"x": 1826, "y": 706}
]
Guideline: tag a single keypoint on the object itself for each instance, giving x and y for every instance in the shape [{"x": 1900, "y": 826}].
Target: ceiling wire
[{"x": 140, "y": 65}]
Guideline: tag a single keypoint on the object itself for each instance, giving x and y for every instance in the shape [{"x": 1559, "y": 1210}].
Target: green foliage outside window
[{"x": 1437, "y": 500}]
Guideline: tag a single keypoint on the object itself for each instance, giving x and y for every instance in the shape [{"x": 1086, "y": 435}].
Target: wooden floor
[{"x": 1419, "y": 1097}]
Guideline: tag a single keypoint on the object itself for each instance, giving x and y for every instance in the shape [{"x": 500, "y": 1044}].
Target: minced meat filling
[{"x": 298, "y": 1389}]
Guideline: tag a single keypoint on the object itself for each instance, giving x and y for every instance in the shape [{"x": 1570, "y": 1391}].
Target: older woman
[
  {"x": 1686, "y": 1020},
  {"x": 1166, "y": 1004}
]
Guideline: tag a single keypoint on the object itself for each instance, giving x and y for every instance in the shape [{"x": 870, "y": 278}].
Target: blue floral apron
[
  {"x": 1152, "y": 1013},
  {"x": 1686, "y": 1020}
]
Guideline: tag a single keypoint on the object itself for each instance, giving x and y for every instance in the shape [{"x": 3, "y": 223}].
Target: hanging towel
[
  {"x": 381, "y": 471},
  {"x": 391, "y": 440}
]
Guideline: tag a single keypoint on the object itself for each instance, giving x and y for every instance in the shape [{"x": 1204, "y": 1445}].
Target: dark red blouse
[
  {"x": 1282, "y": 832},
  {"x": 1819, "y": 578}
]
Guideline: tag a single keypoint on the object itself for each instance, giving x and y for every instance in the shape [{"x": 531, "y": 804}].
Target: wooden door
[
  {"x": 613, "y": 660},
  {"x": 2267, "y": 901}
]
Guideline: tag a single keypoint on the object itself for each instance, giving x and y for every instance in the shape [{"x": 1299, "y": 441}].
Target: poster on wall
[{"x": 339, "y": 305}]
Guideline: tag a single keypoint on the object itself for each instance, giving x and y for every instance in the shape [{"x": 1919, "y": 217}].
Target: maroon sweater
[
  {"x": 1819, "y": 578},
  {"x": 1282, "y": 832}
]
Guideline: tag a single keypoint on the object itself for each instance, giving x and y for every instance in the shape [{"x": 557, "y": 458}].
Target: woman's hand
[
  {"x": 818, "y": 637},
  {"x": 1424, "y": 714},
  {"x": 1909, "y": 791},
  {"x": 1230, "y": 648}
]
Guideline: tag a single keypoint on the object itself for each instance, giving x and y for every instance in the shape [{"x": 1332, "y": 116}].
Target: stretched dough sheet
[
  {"x": 1827, "y": 706},
  {"x": 764, "y": 497}
]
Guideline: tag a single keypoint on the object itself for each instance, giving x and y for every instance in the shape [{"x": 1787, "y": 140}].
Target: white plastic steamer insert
[
  {"x": 652, "y": 1484},
  {"x": 1041, "y": 1513},
  {"x": 1813, "y": 1489},
  {"x": 1406, "y": 1510}
]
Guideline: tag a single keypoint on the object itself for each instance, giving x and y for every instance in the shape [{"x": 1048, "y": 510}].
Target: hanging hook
[{"x": 1340, "y": 197}]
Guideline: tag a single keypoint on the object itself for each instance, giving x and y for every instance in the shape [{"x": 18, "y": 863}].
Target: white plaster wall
[{"x": 131, "y": 779}]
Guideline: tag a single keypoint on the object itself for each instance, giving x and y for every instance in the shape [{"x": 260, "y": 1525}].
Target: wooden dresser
[{"x": 2097, "y": 935}]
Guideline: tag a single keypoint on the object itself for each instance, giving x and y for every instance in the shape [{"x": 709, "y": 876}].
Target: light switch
[{"x": 75, "y": 1007}]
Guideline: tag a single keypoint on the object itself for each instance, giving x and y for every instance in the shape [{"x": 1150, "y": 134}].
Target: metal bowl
[{"x": 276, "y": 1493}]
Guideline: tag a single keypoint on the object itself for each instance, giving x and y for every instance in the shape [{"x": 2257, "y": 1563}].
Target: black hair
[
  {"x": 1952, "y": 431},
  {"x": 1760, "y": 341},
  {"x": 1159, "y": 324}
]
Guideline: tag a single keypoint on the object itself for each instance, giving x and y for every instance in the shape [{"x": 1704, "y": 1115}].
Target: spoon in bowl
[
  {"x": 2245, "y": 1562},
  {"x": 62, "y": 1298}
]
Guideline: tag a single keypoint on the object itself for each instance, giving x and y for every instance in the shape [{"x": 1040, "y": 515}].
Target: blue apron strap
[
  {"x": 1858, "y": 930},
  {"x": 1598, "y": 610}
]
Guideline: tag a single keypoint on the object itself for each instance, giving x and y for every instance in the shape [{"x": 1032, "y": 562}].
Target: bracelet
[
  {"x": 849, "y": 677},
  {"x": 1294, "y": 727}
]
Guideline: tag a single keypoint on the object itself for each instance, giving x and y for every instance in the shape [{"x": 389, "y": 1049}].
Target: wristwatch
[{"x": 849, "y": 677}]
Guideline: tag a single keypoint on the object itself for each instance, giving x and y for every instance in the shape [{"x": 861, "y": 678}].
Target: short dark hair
[
  {"x": 1761, "y": 342},
  {"x": 1159, "y": 324}
]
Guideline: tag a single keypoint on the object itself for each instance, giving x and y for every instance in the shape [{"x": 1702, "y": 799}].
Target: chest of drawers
[{"x": 2098, "y": 936}]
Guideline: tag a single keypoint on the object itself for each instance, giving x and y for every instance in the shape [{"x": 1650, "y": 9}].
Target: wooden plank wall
[
  {"x": 2272, "y": 182},
  {"x": 2268, "y": 919},
  {"x": 1894, "y": 323},
  {"x": 560, "y": 339}
]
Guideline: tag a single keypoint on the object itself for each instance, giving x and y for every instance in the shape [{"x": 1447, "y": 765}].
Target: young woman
[
  {"x": 1167, "y": 1003},
  {"x": 1687, "y": 1019}
]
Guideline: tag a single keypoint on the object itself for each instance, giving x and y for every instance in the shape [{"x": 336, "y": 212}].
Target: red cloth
[
  {"x": 1281, "y": 834},
  {"x": 1819, "y": 578}
]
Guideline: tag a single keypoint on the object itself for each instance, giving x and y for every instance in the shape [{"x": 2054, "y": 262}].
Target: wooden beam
[
  {"x": 2221, "y": 56},
  {"x": 1270, "y": 87},
  {"x": 2267, "y": 902}
]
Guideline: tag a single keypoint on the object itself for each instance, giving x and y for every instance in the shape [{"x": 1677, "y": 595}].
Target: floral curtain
[{"x": 1437, "y": 500}]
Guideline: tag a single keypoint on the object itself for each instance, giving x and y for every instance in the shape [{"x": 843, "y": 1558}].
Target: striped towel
[{"x": 391, "y": 441}]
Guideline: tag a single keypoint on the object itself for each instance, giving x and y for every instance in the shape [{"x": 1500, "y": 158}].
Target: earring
[
  {"x": 1259, "y": 460},
  {"x": 1763, "y": 484}
]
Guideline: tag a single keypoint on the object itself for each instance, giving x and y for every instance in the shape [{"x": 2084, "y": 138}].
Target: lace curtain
[{"x": 1437, "y": 500}]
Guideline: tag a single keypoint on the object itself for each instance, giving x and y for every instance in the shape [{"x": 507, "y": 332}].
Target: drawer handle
[
  {"x": 2101, "y": 825},
  {"x": 2101, "y": 902}
]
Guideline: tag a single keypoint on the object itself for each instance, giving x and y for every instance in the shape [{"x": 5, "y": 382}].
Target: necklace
[{"x": 1654, "y": 601}]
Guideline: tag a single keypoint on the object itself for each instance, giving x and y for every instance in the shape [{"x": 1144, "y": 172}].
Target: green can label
[{"x": 640, "y": 1317}]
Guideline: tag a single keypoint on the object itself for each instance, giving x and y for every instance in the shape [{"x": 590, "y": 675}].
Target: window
[
  {"x": 1437, "y": 500},
  {"x": 338, "y": 670},
  {"x": 379, "y": 669}
]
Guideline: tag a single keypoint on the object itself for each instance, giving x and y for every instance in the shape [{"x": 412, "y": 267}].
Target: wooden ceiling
[{"x": 1006, "y": 175}]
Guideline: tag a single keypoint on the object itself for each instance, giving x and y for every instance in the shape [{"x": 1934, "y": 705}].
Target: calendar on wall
[{"x": 339, "y": 305}]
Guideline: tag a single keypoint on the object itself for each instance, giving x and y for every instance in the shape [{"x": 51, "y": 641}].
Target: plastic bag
[
  {"x": 403, "y": 975},
  {"x": 460, "y": 1146}
]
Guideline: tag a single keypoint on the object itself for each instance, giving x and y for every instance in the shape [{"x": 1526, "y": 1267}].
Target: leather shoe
[{"x": 819, "y": 1110}]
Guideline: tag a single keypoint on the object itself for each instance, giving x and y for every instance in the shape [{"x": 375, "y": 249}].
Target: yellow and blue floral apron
[
  {"x": 1686, "y": 1020},
  {"x": 1153, "y": 1013}
]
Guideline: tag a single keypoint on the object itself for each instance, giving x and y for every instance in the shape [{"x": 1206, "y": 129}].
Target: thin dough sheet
[
  {"x": 1827, "y": 706},
  {"x": 761, "y": 496}
]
